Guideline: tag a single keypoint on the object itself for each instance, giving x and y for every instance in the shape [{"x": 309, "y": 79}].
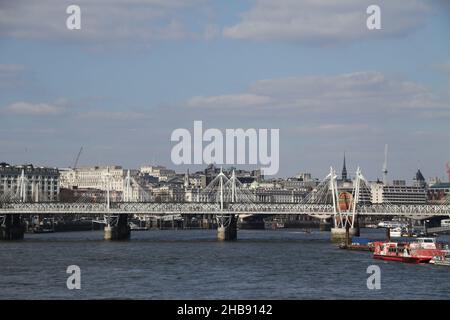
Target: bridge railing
[{"x": 214, "y": 208}]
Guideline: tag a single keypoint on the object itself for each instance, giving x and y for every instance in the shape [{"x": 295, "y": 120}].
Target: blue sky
[{"x": 138, "y": 70}]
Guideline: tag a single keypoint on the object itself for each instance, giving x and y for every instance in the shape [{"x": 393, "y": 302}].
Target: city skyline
[
  {"x": 119, "y": 88},
  {"x": 200, "y": 169}
]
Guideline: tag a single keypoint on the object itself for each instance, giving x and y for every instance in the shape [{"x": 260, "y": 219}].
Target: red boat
[{"x": 405, "y": 252}]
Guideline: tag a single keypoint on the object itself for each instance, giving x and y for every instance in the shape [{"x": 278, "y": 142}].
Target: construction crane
[
  {"x": 448, "y": 170},
  {"x": 77, "y": 158},
  {"x": 385, "y": 171}
]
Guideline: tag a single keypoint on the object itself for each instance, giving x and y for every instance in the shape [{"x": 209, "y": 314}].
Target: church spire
[{"x": 344, "y": 171}]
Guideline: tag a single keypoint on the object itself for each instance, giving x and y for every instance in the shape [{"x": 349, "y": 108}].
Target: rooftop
[{"x": 440, "y": 185}]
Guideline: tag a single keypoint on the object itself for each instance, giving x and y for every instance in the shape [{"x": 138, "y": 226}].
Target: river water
[{"x": 191, "y": 264}]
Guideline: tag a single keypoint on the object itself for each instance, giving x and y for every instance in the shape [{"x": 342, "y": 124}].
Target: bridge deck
[{"x": 153, "y": 208}]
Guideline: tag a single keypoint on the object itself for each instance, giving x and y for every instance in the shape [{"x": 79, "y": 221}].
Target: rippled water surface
[{"x": 191, "y": 264}]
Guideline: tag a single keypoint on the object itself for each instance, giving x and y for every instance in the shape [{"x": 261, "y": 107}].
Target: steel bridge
[
  {"x": 196, "y": 208},
  {"x": 226, "y": 198}
]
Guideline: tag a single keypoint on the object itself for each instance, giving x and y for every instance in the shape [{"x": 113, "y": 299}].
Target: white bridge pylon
[
  {"x": 346, "y": 214},
  {"x": 224, "y": 190},
  {"x": 327, "y": 193}
]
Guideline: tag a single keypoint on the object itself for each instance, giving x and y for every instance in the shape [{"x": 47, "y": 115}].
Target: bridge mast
[
  {"x": 22, "y": 187},
  {"x": 221, "y": 189},
  {"x": 356, "y": 192},
  {"x": 333, "y": 187},
  {"x": 127, "y": 196}
]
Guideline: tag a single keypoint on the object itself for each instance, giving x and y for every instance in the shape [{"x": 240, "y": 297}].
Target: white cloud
[
  {"x": 113, "y": 115},
  {"x": 324, "y": 21},
  {"x": 104, "y": 21},
  {"x": 333, "y": 128},
  {"x": 352, "y": 93},
  {"x": 228, "y": 101},
  {"x": 26, "y": 108}
]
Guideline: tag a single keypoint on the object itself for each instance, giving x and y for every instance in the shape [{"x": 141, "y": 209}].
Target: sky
[{"x": 139, "y": 69}]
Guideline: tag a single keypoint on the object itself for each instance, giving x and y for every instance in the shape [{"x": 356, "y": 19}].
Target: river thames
[{"x": 191, "y": 264}]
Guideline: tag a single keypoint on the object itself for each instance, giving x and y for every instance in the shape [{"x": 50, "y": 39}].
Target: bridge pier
[
  {"x": 227, "y": 228},
  {"x": 11, "y": 227},
  {"x": 117, "y": 228},
  {"x": 339, "y": 235},
  {"x": 356, "y": 230}
]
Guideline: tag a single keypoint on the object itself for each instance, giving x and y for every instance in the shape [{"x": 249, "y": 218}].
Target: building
[
  {"x": 291, "y": 190},
  {"x": 304, "y": 176},
  {"x": 168, "y": 193},
  {"x": 160, "y": 172},
  {"x": 244, "y": 176},
  {"x": 192, "y": 194},
  {"x": 398, "y": 194},
  {"x": 279, "y": 195},
  {"x": 419, "y": 180},
  {"x": 194, "y": 180},
  {"x": 92, "y": 180},
  {"x": 29, "y": 183},
  {"x": 299, "y": 184},
  {"x": 439, "y": 193},
  {"x": 399, "y": 182}
]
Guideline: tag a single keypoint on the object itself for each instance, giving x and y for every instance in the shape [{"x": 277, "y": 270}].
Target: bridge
[
  {"x": 445, "y": 229},
  {"x": 226, "y": 199}
]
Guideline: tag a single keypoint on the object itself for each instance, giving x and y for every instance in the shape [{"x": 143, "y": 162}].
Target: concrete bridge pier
[
  {"x": 338, "y": 235},
  {"x": 227, "y": 228},
  {"x": 117, "y": 228},
  {"x": 344, "y": 235},
  {"x": 12, "y": 227}
]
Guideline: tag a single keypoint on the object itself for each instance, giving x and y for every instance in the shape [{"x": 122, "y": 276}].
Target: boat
[
  {"x": 405, "y": 252},
  {"x": 136, "y": 227},
  {"x": 41, "y": 229},
  {"x": 360, "y": 244},
  {"x": 441, "y": 260},
  {"x": 277, "y": 225},
  {"x": 391, "y": 224},
  {"x": 405, "y": 234},
  {"x": 47, "y": 225},
  {"x": 396, "y": 232},
  {"x": 425, "y": 243}
]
